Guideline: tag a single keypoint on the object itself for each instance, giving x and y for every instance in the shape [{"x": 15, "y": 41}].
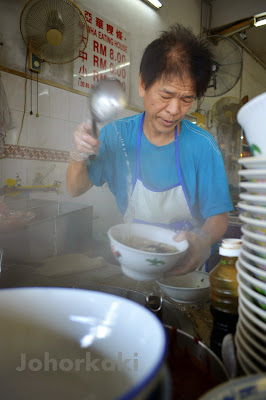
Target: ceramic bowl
[
  {"x": 254, "y": 211},
  {"x": 257, "y": 298},
  {"x": 253, "y": 275},
  {"x": 256, "y": 200},
  {"x": 254, "y": 175},
  {"x": 258, "y": 162},
  {"x": 254, "y": 188},
  {"x": 255, "y": 331},
  {"x": 249, "y": 302},
  {"x": 62, "y": 343},
  {"x": 256, "y": 322},
  {"x": 252, "y": 119},
  {"x": 255, "y": 225},
  {"x": 235, "y": 387},
  {"x": 254, "y": 260},
  {"x": 190, "y": 288},
  {"x": 255, "y": 248},
  {"x": 144, "y": 265},
  {"x": 247, "y": 231}
]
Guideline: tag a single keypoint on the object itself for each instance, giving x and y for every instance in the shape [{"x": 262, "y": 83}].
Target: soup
[{"x": 148, "y": 245}]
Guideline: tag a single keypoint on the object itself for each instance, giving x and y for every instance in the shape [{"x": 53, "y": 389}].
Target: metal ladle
[{"x": 107, "y": 98}]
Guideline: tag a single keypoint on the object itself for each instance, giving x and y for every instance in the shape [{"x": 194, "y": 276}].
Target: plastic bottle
[{"x": 224, "y": 294}]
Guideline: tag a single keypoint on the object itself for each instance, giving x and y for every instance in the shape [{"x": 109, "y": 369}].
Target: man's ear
[{"x": 141, "y": 86}]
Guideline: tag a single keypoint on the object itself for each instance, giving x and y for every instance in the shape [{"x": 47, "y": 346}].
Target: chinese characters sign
[{"x": 107, "y": 54}]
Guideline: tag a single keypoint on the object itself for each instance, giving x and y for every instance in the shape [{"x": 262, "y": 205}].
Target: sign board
[{"x": 107, "y": 54}]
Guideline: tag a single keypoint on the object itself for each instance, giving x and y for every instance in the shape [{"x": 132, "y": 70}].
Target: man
[{"x": 162, "y": 169}]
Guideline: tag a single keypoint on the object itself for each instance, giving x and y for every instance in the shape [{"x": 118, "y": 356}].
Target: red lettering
[
  {"x": 119, "y": 35},
  {"x": 88, "y": 17},
  {"x": 99, "y": 23},
  {"x": 110, "y": 29},
  {"x": 83, "y": 55}
]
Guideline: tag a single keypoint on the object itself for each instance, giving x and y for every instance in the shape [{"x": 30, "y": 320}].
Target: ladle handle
[{"x": 94, "y": 132}]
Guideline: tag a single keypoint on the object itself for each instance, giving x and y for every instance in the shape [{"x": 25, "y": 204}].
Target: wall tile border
[{"x": 35, "y": 153}]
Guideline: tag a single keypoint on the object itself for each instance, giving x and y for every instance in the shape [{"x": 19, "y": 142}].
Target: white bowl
[
  {"x": 75, "y": 343},
  {"x": 257, "y": 277},
  {"x": 235, "y": 388},
  {"x": 144, "y": 265},
  {"x": 255, "y": 225},
  {"x": 253, "y": 330},
  {"x": 251, "y": 348},
  {"x": 247, "y": 354},
  {"x": 252, "y": 119},
  {"x": 190, "y": 288},
  {"x": 258, "y": 250},
  {"x": 254, "y": 188},
  {"x": 260, "y": 239},
  {"x": 254, "y": 260},
  {"x": 259, "y": 299},
  {"x": 248, "y": 316},
  {"x": 257, "y": 162},
  {"x": 253, "y": 307},
  {"x": 254, "y": 175},
  {"x": 253, "y": 199}
]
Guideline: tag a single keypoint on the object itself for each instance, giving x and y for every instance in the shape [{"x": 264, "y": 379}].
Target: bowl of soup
[{"x": 146, "y": 252}]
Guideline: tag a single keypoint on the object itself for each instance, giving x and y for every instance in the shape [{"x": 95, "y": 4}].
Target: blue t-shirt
[{"x": 201, "y": 163}]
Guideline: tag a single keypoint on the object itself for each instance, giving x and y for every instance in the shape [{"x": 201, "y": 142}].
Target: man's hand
[
  {"x": 198, "y": 252},
  {"x": 85, "y": 144}
]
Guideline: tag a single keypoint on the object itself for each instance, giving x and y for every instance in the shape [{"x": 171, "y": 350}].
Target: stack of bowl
[{"x": 251, "y": 328}]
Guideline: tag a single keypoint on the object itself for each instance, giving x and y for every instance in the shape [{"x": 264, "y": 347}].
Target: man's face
[{"x": 166, "y": 102}]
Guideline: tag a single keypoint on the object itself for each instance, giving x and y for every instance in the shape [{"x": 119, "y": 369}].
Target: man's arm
[
  {"x": 200, "y": 242},
  {"x": 77, "y": 178}
]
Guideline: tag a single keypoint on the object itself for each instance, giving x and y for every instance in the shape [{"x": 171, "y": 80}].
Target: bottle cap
[{"x": 230, "y": 247}]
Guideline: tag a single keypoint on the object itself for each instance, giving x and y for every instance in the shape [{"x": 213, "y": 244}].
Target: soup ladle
[{"x": 107, "y": 99}]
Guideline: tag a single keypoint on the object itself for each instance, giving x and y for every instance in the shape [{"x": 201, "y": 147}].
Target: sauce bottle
[{"x": 224, "y": 294}]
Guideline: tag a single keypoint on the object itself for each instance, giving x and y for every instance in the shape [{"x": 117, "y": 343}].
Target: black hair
[{"x": 177, "y": 52}]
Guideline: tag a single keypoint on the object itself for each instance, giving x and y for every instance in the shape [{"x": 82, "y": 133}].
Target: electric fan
[
  {"x": 225, "y": 110},
  {"x": 227, "y": 67},
  {"x": 54, "y": 30}
]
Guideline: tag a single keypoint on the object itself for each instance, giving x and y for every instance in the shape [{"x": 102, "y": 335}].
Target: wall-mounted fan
[
  {"x": 225, "y": 110},
  {"x": 54, "y": 30},
  {"x": 227, "y": 67}
]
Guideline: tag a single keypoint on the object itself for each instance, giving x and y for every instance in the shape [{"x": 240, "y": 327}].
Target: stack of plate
[{"x": 251, "y": 327}]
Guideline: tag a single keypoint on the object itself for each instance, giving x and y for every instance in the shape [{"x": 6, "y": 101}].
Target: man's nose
[{"x": 174, "y": 106}]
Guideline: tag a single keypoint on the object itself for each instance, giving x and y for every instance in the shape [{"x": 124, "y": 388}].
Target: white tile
[
  {"x": 58, "y": 134},
  {"x": 76, "y": 106},
  {"x": 13, "y": 134},
  {"x": 43, "y": 105},
  {"x": 15, "y": 92},
  {"x": 11, "y": 167},
  {"x": 44, "y": 170},
  {"x": 71, "y": 129},
  {"x": 38, "y": 131},
  {"x": 59, "y": 103}
]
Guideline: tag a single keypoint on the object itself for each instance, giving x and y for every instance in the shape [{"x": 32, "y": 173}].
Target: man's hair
[{"x": 177, "y": 52}]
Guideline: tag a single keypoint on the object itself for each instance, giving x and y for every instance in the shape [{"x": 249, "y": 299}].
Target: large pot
[{"x": 194, "y": 369}]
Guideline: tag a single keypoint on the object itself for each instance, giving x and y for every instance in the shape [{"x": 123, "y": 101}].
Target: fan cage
[
  {"x": 38, "y": 16},
  {"x": 228, "y": 59}
]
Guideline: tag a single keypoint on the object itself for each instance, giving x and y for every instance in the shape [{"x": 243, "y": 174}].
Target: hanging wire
[
  {"x": 31, "y": 93},
  {"x": 25, "y": 97},
  {"x": 37, "y": 114}
]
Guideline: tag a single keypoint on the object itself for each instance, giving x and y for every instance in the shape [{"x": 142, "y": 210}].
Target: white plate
[
  {"x": 253, "y": 235},
  {"x": 253, "y": 173},
  {"x": 241, "y": 265},
  {"x": 253, "y": 353},
  {"x": 255, "y": 247},
  {"x": 241, "y": 351},
  {"x": 260, "y": 349},
  {"x": 252, "y": 221},
  {"x": 260, "y": 262},
  {"x": 253, "y": 198},
  {"x": 259, "y": 298},
  {"x": 245, "y": 387},
  {"x": 257, "y": 310},
  {"x": 252, "y": 208},
  {"x": 254, "y": 187},
  {"x": 252, "y": 317},
  {"x": 253, "y": 162},
  {"x": 254, "y": 330}
]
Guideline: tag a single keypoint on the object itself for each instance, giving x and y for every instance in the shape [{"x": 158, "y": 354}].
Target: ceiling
[{"x": 251, "y": 38}]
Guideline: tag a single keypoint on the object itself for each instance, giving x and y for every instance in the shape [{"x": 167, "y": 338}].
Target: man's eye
[{"x": 188, "y": 100}]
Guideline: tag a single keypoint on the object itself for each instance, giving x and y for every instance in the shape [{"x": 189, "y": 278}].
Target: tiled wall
[{"x": 45, "y": 142}]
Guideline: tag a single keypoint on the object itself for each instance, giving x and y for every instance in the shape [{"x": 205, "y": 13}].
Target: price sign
[{"x": 107, "y": 54}]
